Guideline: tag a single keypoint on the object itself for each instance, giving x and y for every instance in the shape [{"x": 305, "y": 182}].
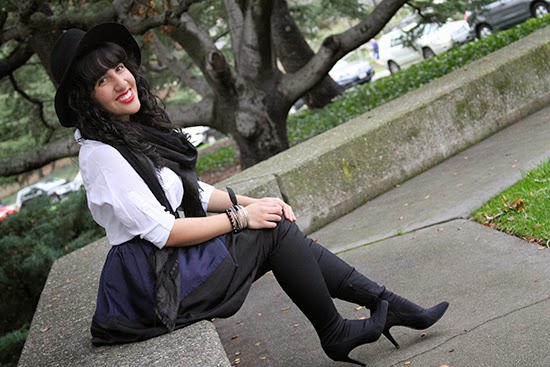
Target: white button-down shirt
[{"x": 121, "y": 202}]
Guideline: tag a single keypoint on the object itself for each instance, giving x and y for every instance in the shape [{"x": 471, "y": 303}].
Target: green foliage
[
  {"x": 522, "y": 210},
  {"x": 220, "y": 158},
  {"x": 11, "y": 346},
  {"x": 30, "y": 242}
]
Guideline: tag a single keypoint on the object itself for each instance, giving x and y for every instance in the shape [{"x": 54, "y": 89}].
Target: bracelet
[
  {"x": 238, "y": 217},
  {"x": 233, "y": 225},
  {"x": 238, "y": 221},
  {"x": 242, "y": 213}
]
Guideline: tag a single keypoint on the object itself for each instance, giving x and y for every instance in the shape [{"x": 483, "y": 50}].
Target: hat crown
[{"x": 63, "y": 52}]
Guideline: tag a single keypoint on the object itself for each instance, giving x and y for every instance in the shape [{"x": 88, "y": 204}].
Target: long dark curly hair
[{"x": 95, "y": 122}]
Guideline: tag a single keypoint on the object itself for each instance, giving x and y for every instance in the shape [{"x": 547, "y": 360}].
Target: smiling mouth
[{"x": 127, "y": 97}]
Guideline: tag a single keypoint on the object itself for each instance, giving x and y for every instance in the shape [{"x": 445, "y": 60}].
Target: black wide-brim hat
[{"x": 75, "y": 43}]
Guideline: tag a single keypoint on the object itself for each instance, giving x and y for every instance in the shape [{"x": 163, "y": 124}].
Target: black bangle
[{"x": 230, "y": 216}]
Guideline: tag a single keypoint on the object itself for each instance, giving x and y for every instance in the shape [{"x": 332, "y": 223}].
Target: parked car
[
  {"x": 197, "y": 134},
  {"x": 350, "y": 73},
  {"x": 54, "y": 187},
  {"x": 403, "y": 47},
  {"x": 503, "y": 14},
  {"x": 60, "y": 192},
  {"x": 6, "y": 210}
]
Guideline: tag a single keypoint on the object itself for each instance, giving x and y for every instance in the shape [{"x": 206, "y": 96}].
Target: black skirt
[{"x": 215, "y": 280}]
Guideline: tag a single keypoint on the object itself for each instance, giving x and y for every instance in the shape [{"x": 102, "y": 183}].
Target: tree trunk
[{"x": 294, "y": 52}]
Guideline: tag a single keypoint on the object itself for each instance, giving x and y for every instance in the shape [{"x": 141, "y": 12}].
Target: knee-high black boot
[
  {"x": 299, "y": 275},
  {"x": 346, "y": 283}
]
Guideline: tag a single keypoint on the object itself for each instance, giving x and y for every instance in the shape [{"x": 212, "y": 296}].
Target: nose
[{"x": 119, "y": 82}]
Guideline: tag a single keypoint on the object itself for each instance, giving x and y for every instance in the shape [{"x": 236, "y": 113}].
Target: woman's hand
[{"x": 266, "y": 212}]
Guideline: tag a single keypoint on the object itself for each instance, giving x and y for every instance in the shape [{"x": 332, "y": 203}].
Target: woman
[{"x": 170, "y": 265}]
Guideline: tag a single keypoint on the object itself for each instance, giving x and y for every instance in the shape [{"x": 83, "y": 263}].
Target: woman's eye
[
  {"x": 101, "y": 81},
  {"x": 119, "y": 67}
]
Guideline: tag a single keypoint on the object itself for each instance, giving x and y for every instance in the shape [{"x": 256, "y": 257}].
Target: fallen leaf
[
  {"x": 542, "y": 248},
  {"x": 538, "y": 225},
  {"x": 427, "y": 197},
  {"x": 422, "y": 335},
  {"x": 407, "y": 363},
  {"x": 440, "y": 229},
  {"x": 258, "y": 344},
  {"x": 358, "y": 308},
  {"x": 236, "y": 361},
  {"x": 259, "y": 314},
  {"x": 400, "y": 218},
  {"x": 234, "y": 337},
  {"x": 518, "y": 204},
  {"x": 285, "y": 308},
  {"x": 263, "y": 358},
  {"x": 237, "y": 353},
  {"x": 44, "y": 329},
  {"x": 296, "y": 325}
]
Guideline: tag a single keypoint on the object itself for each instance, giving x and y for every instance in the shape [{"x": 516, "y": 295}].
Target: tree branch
[
  {"x": 39, "y": 157},
  {"x": 32, "y": 100},
  {"x": 179, "y": 69},
  {"x": 196, "y": 114},
  {"x": 15, "y": 60},
  {"x": 235, "y": 22},
  {"x": 256, "y": 48},
  {"x": 205, "y": 54},
  {"x": 336, "y": 46}
]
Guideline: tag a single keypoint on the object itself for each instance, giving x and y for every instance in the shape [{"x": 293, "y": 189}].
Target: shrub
[
  {"x": 30, "y": 241},
  {"x": 11, "y": 346}
]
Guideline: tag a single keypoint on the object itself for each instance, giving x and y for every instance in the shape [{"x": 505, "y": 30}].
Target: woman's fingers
[{"x": 264, "y": 214}]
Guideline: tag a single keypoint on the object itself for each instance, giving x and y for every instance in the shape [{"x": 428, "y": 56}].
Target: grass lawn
[{"x": 522, "y": 210}]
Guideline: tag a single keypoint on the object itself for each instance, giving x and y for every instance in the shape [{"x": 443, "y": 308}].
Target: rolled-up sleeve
[
  {"x": 119, "y": 199},
  {"x": 206, "y": 191}
]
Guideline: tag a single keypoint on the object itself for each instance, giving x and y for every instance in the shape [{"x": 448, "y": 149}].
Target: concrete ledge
[
  {"x": 60, "y": 330},
  {"x": 339, "y": 170}
]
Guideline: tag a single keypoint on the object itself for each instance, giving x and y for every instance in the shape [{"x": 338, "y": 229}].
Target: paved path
[{"x": 423, "y": 247}]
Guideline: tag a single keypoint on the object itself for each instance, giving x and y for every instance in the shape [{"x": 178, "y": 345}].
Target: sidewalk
[{"x": 424, "y": 248}]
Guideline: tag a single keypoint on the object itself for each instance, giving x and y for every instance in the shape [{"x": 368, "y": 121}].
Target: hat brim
[{"x": 105, "y": 32}]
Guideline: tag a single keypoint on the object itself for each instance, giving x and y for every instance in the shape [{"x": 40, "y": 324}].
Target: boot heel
[{"x": 390, "y": 338}]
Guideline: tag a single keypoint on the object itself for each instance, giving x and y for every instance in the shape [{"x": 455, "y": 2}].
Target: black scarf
[{"x": 180, "y": 156}]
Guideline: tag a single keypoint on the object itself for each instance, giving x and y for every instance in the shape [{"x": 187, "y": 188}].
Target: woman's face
[{"x": 116, "y": 92}]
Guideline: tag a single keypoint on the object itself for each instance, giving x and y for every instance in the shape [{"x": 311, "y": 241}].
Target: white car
[
  {"x": 428, "y": 40},
  {"x": 197, "y": 134},
  {"x": 44, "y": 187},
  {"x": 350, "y": 73},
  {"x": 54, "y": 187}
]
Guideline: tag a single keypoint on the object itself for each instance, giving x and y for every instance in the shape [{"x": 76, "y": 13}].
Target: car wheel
[
  {"x": 539, "y": 10},
  {"x": 427, "y": 53},
  {"x": 484, "y": 30},
  {"x": 393, "y": 67}
]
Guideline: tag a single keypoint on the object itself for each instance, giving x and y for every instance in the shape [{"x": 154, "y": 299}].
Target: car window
[{"x": 397, "y": 39}]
